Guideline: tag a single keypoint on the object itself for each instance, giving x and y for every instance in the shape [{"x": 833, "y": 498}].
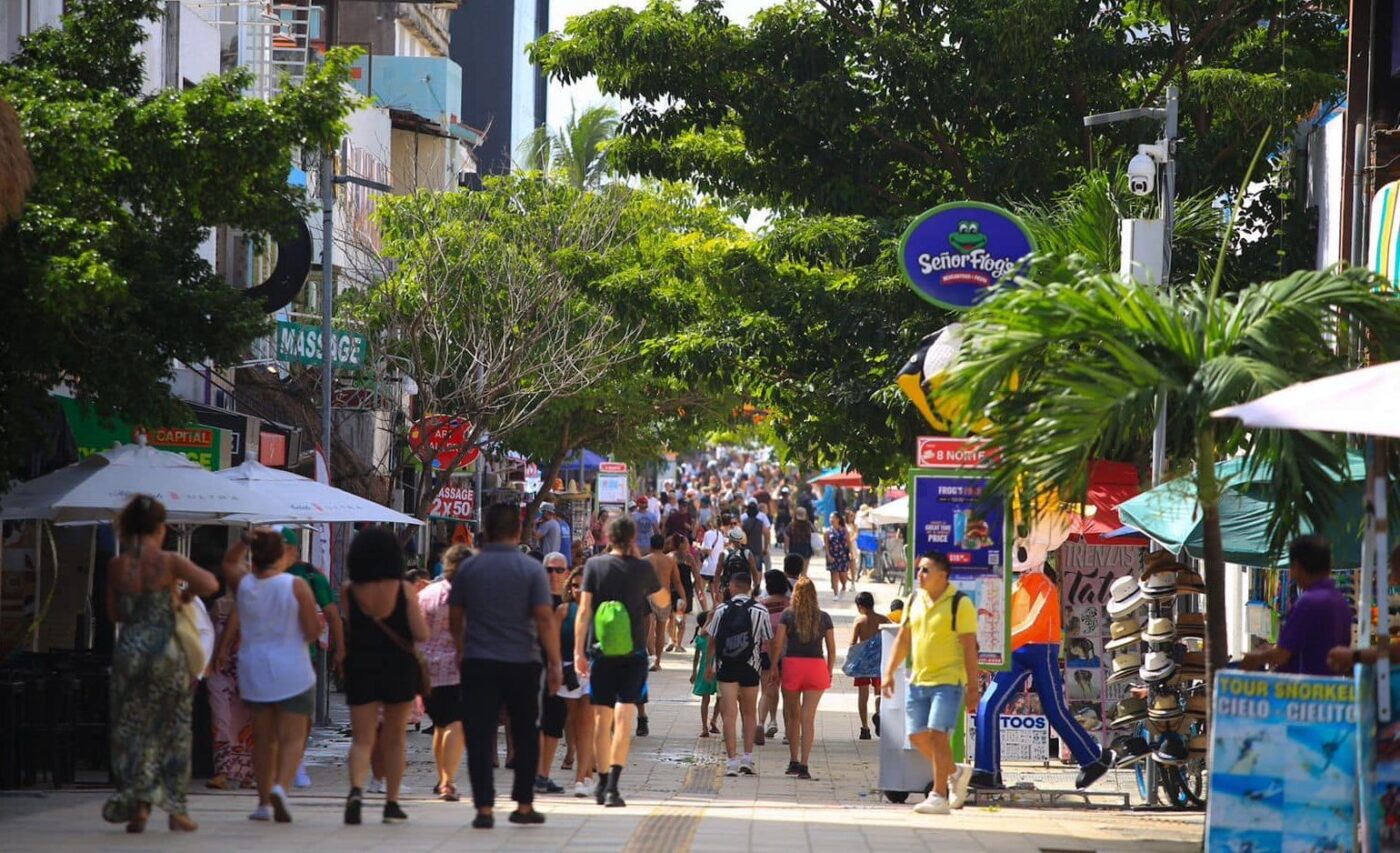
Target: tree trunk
[
  {"x": 547, "y": 479},
  {"x": 1208, "y": 493}
]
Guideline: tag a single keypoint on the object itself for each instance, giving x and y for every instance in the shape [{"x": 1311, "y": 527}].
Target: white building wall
[
  {"x": 1326, "y": 142},
  {"x": 522, "y": 89}
]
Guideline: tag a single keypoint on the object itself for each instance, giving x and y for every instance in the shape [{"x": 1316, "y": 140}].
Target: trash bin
[{"x": 902, "y": 769}]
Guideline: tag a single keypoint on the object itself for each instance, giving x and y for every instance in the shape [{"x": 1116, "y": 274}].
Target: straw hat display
[
  {"x": 1124, "y": 597},
  {"x": 1157, "y": 667},
  {"x": 1125, "y": 666},
  {"x": 1159, "y": 629},
  {"x": 1123, "y": 632}
]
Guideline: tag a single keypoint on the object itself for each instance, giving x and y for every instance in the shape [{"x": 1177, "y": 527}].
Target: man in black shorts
[
  {"x": 737, "y": 631},
  {"x": 616, "y": 681}
]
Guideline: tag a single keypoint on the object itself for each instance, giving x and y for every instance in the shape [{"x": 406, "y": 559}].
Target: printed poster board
[
  {"x": 1024, "y": 737},
  {"x": 950, "y": 512},
  {"x": 1284, "y": 757},
  {"x": 1086, "y": 574},
  {"x": 612, "y": 489}
]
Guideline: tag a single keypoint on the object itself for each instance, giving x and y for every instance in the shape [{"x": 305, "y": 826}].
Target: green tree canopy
[
  {"x": 101, "y": 278},
  {"x": 575, "y": 152}
]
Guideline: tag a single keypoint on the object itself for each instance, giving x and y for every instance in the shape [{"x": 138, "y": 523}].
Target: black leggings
[{"x": 486, "y": 686}]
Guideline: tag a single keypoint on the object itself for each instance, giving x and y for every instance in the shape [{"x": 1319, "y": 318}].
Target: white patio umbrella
[
  {"x": 1361, "y": 402},
  {"x": 303, "y": 500},
  {"x": 96, "y": 489},
  {"x": 894, "y": 512}
]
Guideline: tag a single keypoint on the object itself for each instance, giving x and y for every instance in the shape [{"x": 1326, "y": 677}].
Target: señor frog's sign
[{"x": 953, "y": 254}]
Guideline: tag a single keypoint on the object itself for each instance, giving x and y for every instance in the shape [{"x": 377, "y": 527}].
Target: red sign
[
  {"x": 454, "y": 502},
  {"x": 178, "y": 436},
  {"x": 612, "y": 467},
  {"x": 941, "y": 452},
  {"x": 442, "y": 440}
]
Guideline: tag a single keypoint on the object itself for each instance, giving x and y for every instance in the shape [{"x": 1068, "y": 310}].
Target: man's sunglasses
[{"x": 558, "y": 570}]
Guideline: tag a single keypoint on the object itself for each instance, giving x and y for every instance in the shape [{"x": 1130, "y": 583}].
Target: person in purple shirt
[{"x": 1318, "y": 621}]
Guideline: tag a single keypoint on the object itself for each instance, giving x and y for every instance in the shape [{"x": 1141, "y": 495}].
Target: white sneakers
[
  {"x": 957, "y": 785},
  {"x": 731, "y": 767},
  {"x": 934, "y": 804},
  {"x": 583, "y": 789}
]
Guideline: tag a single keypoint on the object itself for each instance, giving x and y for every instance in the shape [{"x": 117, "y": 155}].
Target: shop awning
[
  {"x": 894, "y": 512},
  {"x": 1110, "y": 484},
  {"x": 1171, "y": 515},
  {"x": 590, "y": 462},
  {"x": 840, "y": 479}
]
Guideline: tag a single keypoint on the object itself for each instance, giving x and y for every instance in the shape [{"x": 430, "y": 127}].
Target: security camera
[{"x": 1142, "y": 174}]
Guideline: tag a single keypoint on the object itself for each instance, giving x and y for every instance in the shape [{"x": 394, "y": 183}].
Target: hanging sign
[
  {"x": 612, "y": 467},
  {"x": 300, "y": 343},
  {"x": 454, "y": 503},
  {"x": 953, "y": 254},
  {"x": 944, "y": 452},
  {"x": 442, "y": 440}
]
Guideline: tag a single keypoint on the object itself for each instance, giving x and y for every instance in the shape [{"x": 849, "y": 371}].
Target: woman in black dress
[{"x": 381, "y": 670}]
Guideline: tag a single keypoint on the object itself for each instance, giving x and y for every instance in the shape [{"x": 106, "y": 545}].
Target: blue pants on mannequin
[{"x": 1040, "y": 662}]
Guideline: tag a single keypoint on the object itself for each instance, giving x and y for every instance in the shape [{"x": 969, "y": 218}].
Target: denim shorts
[{"x": 933, "y": 708}]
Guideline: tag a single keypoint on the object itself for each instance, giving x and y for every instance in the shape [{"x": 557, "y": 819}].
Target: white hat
[
  {"x": 1159, "y": 630},
  {"x": 736, "y": 534},
  {"x": 1123, "y": 632},
  {"x": 1159, "y": 585},
  {"x": 1124, "y": 596},
  {"x": 1125, "y": 665},
  {"x": 1158, "y": 666}
]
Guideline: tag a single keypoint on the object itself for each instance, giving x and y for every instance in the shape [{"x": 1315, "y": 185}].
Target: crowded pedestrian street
[{"x": 680, "y": 799}]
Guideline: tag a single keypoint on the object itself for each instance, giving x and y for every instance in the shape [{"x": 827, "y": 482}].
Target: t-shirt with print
[
  {"x": 646, "y": 523},
  {"x": 816, "y": 647},
  {"x": 936, "y": 653},
  {"x": 498, "y": 590},
  {"x": 759, "y": 623},
  {"x": 627, "y": 579}
]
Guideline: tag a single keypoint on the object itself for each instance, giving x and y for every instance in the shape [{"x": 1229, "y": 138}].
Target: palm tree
[
  {"x": 575, "y": 152},
  {"x": 1069, "y": 366}
]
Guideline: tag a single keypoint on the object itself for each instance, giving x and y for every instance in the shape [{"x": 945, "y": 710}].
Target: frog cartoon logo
[{"x": 968, "y": 238}]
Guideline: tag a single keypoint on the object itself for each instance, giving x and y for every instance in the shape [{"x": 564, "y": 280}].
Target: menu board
[{"x": 1086, "y": 574}]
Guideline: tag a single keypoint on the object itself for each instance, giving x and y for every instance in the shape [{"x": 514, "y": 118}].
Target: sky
[{"x": 585, "y": 93}]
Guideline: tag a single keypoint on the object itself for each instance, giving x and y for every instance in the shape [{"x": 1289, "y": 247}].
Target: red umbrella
[{"x": 840, "y": 479}]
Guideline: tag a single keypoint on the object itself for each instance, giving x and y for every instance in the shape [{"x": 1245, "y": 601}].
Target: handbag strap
[{"x": 393, "y": 635}]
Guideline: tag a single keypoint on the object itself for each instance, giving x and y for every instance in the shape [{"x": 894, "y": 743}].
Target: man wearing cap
[
  {"x": 646, "y": 521},
  {"x": 329, "y": 613},
  {"x": 548, "y": 533},
  {"x": 1036, "y": 634}
]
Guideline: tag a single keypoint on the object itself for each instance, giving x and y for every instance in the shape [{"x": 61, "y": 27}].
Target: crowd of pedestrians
[{"x": 548, "y": 636}]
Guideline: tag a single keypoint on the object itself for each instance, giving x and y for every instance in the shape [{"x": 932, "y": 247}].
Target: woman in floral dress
[
  {"x": 838, "y": 553},
  {"x": 152, "y": 696},
  {"x": 233, "y": 724}
]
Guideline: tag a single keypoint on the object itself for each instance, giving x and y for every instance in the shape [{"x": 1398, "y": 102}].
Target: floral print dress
[
  {"x": 233, "y": 723},
  {"x": 838, "y": 550},
  {"x": 152, "y": 700}
]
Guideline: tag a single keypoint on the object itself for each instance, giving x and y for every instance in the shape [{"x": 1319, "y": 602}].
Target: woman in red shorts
[{"x": 806, "y": 644}]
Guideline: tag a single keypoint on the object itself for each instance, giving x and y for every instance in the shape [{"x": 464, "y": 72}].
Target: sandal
[
  {"x": 567, "y": 764},
  {"x": 714, "y": 729},
  {"x": 182, "y": 823},
  {"x": 137, "y": 823},
  {"x": 449, "y": 793},
  {"x": 218, "y": 783}
]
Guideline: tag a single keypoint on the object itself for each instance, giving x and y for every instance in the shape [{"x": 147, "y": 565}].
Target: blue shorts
[{"x": 933, "y": 708}]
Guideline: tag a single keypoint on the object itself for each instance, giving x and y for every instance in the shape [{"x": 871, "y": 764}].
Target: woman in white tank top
[{"x": 277, "y": 619}]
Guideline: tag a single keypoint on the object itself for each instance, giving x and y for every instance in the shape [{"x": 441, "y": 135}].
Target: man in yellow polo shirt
[{"x": 940, "y": 632}]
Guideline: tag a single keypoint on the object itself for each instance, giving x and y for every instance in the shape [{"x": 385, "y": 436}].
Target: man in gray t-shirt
[
  {"x": 502, "y": 616},
  {"x": 548, "y": 532}
]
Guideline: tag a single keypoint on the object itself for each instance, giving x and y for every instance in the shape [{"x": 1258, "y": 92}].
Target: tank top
[
  {"x": 366, "y": 641},
  {"x": 566, "y": 635},
  {"x": 272, "y": 661}
]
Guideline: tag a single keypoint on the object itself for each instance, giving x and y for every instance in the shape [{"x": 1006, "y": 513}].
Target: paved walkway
[{"x": 678, "y": 800}]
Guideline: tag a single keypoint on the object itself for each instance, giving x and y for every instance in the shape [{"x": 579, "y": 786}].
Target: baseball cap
[
  {"x": 546, "y": 507},
  {"x": 291, "y": 536}
]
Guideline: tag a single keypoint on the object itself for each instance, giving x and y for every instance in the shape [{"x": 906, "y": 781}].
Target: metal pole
[{"x": 323, "y": 697}]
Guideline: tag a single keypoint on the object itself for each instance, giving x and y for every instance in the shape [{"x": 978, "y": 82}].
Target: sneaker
[
  {"x": 746, "y": 766},
  {"x": 731, "y": 767},
  {"x": 394, "y": 814},
  {"x": 376, "y": 786},
  {"x": 934, "y": 804},
  {"x": 353, "y": 803},
  {"x": 772, "y": 730},
  {"x": 792, "y": 768},
  {"x": 546, "y": 785},
  {"x": 600, "y": 790},
  {"x": 582, "y": 790},
  {"x": 303, "y": 779},
  {"x": 957, "y": 785},
  {"x": 261, "y": 813},
  {"x": 865, "y": 734},
  {"x": 526, "y": 818},
  {"x": 803, "y": 772},
  {"x": 1092, "y": 773},
  {"x": 280, "y": 812},
  {"x": 875, "y": 721},
  {"x": 642, "y": 728},
  {"x": 614, "y": 800},
  {"x": 483, "y": 821}
]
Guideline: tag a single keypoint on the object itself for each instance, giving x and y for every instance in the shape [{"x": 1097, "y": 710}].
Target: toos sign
[{"x": 951, "y": 255}]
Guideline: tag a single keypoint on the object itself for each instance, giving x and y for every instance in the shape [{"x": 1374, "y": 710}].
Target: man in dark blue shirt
[{"x": 1319, "y": 620}]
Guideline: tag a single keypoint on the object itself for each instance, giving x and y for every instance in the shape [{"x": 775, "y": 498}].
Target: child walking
[{"x": 705, "y": 686}]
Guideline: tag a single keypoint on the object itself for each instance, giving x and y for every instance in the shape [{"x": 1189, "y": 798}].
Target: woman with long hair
[
  {"x": 678, "y": 546},
  {"x": 444, "y": 703},
  {"x": 151, "y": 695},
  {"x": 579, "y": 721},
  {"x": 380, "y": 668},
  {"x": 806, "y": 645},
  {"x": 276, "y": 620},
  {"x": 232, "y": 721}
]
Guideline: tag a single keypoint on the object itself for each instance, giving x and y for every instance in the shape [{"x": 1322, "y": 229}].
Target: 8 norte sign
[
  {"x": 301, "y": 344},
  {"x": 953, "y": 254}
]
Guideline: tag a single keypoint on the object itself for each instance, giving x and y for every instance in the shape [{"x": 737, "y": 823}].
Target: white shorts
[{"x": 580, "y": 693}]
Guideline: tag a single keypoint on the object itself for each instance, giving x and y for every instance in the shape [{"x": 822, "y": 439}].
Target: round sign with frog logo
[{"x": 953, "y": 254}]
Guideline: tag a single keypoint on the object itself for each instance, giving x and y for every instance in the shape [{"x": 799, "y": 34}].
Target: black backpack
[
  {"x": 735, "y": 561},
  {"x": 753, "y": 529},
  {"x": 734, "y": 634},
  {"x": 958, "y": 596}
]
